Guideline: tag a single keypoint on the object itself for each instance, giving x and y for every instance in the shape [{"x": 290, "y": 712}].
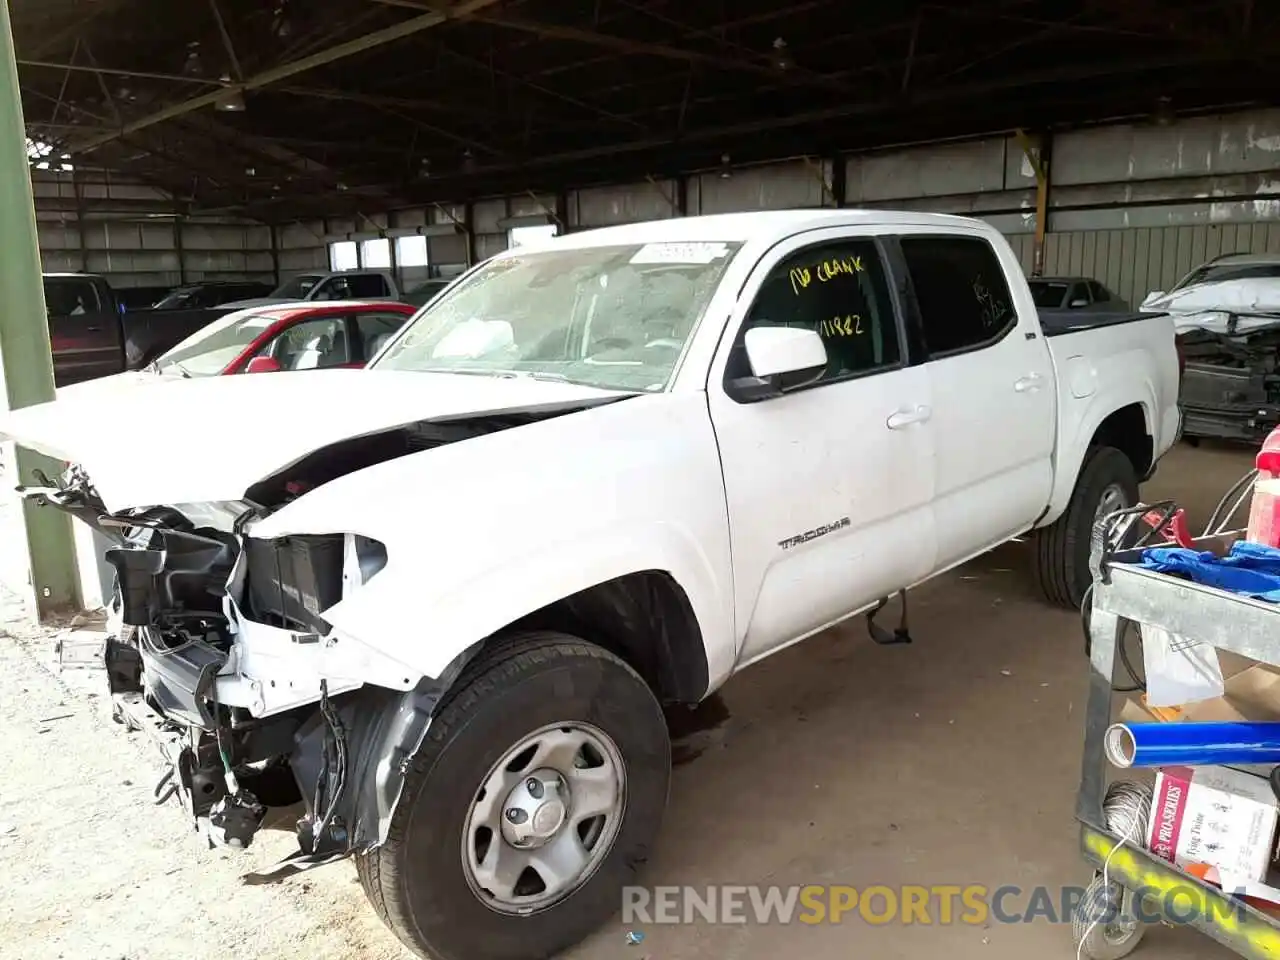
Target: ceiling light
[
  {"x": 781, "y": 58},
  {"x": 230, "y": 102}
]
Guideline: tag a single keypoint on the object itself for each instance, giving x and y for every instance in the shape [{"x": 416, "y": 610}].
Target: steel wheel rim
[
  {"x": 544, "y": 818},
  {"x": 1113, "y": 499}
]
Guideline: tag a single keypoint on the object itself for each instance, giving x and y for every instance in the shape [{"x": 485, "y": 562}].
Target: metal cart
[{"x": 1124, "y": 594}]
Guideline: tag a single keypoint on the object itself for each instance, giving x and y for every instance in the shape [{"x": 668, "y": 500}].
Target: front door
[{"x": 828, "y": 486}]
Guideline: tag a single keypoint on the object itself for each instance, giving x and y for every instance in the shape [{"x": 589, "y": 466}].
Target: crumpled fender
[{"x": 401, "y": 614}]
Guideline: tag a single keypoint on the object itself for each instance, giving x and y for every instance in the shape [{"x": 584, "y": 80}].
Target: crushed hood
[
  {"x": 145, "y": 442},
  {"x": 1239, "y": 296}
]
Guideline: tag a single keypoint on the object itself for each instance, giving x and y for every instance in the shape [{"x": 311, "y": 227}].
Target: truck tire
[
  {"x": 1060, "y": 555},
  {"x": 496, "y": 848}
]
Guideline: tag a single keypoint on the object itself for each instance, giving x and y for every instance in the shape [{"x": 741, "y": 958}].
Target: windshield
[
  {"x": 1047, "y": 294},
  {"x": 297, "y": 288},
  {"x": 209, "y": 350},
  {"x": 614, "y": 317},
  {"x": 1220, "y": 272}
]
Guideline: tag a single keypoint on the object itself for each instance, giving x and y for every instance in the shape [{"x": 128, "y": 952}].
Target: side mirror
[
  {"x": 781, "y": 359},
  {"x": 1077, "y": 303},
  {"x": 263, "y": 365},
  {"x": 1153, "y": 295}
]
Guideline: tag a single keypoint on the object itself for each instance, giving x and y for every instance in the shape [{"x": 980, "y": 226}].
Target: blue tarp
[{"x": 1251, "y": 569}]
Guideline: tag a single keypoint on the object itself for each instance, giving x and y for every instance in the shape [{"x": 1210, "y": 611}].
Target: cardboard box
[
  {"x": 1252, "y": 692},
  {"x": 1214, "y": 816}
]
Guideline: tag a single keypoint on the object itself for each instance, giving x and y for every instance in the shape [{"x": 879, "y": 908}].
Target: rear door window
[{"x": 960, "y": 289}]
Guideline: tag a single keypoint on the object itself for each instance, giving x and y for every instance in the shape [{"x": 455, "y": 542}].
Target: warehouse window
[
  {"x": 343, "y": 255},
  {"x": 412, "y": 252},
  {"x": 961, "y": 291},
  {"x": 521, "y": 236},
  {"x": 376, "y": 254}
]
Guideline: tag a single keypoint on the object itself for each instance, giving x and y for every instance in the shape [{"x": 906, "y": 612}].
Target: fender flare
[{"x": 1074, "y": 448}]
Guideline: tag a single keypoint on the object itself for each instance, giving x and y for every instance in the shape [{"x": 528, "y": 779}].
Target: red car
[{"x": 304, "y": 336}]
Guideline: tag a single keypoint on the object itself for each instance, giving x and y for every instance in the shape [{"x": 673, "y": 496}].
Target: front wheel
[
  {"x": 1107, "y": 483},
  {"x": 533, "y": 800}
]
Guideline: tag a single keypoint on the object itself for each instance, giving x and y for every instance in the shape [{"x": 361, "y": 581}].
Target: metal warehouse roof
[{"x": 360, "y": 104}]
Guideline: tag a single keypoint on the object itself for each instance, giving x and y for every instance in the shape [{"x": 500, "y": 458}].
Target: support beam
[
  {"x": 26, "y": 365},
  {"x": 1037, "y": 154},
  {"x": 275, "y": 253},
  {"x": 369, "y": 41},
  {"x": 626, "y": 46}
]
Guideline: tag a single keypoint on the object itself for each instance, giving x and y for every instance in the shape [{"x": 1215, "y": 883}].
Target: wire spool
[{"x": 1104, "y": 926}]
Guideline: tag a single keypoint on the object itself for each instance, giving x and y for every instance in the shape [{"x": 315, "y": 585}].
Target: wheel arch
[{"x": 1128, "y": 427}]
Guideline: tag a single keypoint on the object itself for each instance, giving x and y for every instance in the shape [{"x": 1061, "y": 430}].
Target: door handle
[
  {"x": 93, "y": 329},
  {"x": 1027, "y": 384},
  {"x": 905, "y": 418}
]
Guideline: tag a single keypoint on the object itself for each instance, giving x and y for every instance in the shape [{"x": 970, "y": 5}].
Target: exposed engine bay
[
  {"x": 220, "y": 651},
  {"x": 1231, "y": 382}
]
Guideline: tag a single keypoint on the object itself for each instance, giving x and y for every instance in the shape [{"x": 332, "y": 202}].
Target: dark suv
[{"x": 201, "y": 296}]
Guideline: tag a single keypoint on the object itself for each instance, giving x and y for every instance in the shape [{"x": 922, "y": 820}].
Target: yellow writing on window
[
  {"x": 847, "y": 326},
  {"x": 842, "y": 267},
  {"x": 800, "y": 278}
]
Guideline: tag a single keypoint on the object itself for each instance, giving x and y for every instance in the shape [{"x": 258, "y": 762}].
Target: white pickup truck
[
  {"x": 445, "y": 599},
  {"x": 339, "y": 285}
]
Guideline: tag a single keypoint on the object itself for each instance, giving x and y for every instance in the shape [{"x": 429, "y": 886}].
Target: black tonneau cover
[{"x": 1056, "y": 321}]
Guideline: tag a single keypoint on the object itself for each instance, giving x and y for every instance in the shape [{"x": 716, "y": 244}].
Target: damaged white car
[
  {"x": 444, "y": 600},
  {"x": 1227, "y": 317}
]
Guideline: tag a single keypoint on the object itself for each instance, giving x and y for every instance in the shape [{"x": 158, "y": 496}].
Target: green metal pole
[{"x": 26, "y": 364}]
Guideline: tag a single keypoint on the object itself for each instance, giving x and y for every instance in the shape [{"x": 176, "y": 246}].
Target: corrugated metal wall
[
  {"x": 1134, "y": 205},
  {"x": 122, "y": 231},
  {"x": 1136, "y": 261}
]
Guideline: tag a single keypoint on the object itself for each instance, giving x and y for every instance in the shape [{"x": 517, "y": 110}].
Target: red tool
[{"x": 1175, "y": 529}]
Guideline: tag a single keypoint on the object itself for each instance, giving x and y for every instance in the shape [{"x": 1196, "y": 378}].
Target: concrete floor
[{"x": 951, "y": 761}]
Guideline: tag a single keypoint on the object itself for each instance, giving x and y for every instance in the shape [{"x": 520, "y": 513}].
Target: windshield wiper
[{"x": 501, "y": 374}]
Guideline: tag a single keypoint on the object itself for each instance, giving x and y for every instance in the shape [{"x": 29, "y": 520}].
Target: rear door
[
  {"x": 84, "y": 330},
  {"x": 992, "y": 384}
]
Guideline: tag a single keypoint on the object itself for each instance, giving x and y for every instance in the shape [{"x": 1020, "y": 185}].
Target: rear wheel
[
  {"x": 532, "y": 802},
  {"x": 1107, "y": 483}
]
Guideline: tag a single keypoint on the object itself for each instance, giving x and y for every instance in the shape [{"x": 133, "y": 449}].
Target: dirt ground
[{"x": 950, "y": 761}]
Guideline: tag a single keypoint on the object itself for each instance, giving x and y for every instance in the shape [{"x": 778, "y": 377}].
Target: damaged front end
[
  {"x": 219, "y": 653},
  {"x": 1231, "y": 382}
]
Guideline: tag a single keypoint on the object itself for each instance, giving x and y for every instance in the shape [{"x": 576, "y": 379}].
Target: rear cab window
[{"x": 960, "y": 291}]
